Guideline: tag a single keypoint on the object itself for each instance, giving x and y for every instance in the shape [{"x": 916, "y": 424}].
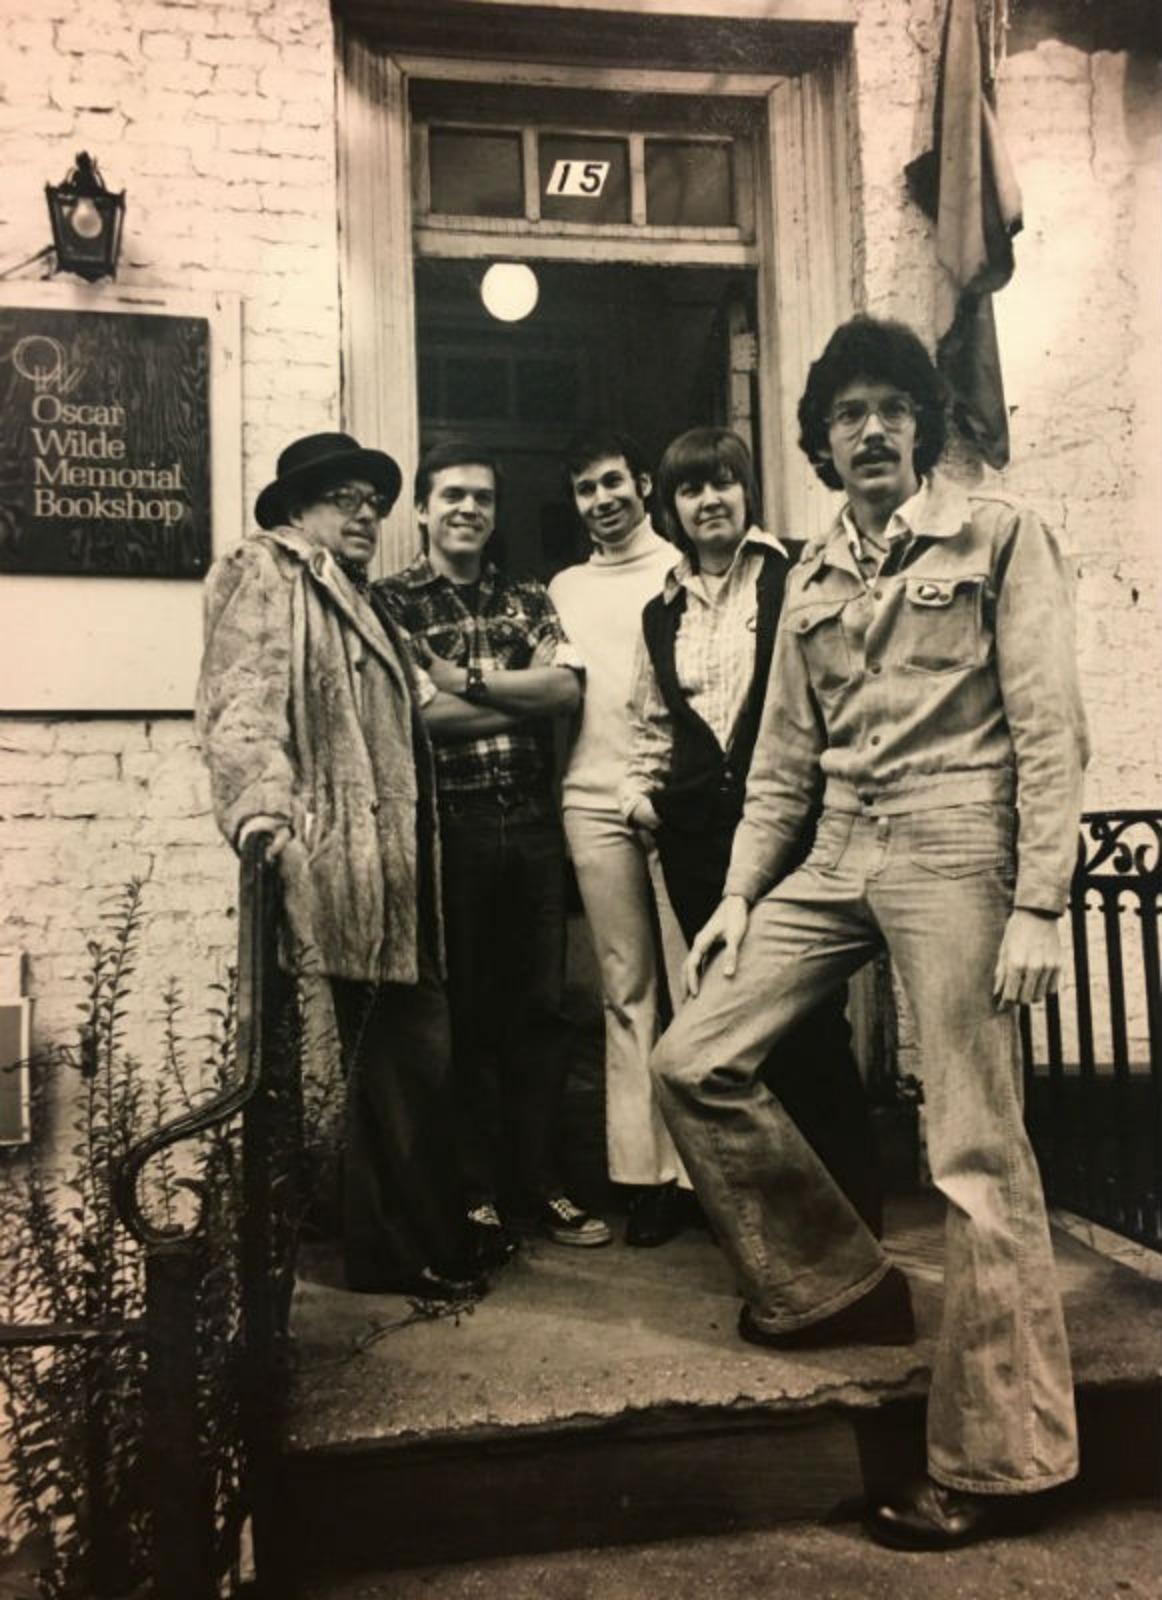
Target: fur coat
[{"x": 307, "y": 711}]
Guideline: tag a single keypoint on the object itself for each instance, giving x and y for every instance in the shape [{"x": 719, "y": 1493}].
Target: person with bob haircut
[
  {"x": 309, "y": 716},
  {"x": 600, "y": 603},
  {"x": 704, "y": 653},
  {"x": 924, "y": 680}
]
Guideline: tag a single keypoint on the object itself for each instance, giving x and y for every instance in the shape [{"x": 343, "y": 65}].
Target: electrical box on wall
[{"x": 15, "y": 1048}]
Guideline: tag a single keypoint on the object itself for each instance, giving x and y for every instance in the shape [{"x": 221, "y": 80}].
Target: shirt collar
[
  {"x": 420, "y": 574},
  {"x": 938, "y": 510},
  {"x": 682, "y": 573}
]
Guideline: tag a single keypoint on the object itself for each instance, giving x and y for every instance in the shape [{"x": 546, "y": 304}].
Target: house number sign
[{"x": 581, "y": 179}]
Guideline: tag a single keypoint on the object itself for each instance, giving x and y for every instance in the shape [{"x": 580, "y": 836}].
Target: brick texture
[{"x": 219, "y": 120}]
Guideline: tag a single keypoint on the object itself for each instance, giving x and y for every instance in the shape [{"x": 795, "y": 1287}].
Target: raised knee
[{"x": 671, "y": 1065}]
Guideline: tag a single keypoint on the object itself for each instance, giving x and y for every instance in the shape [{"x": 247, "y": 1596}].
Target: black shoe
[
  {"x": 655, "y": 1215},
  {"x": 930, "y": 1517},
  {"x": 565, "y": 1223},
  {"x": 427, "y": 1284},
  {"x": 882, "y": 1316},
  {"x": 492, "y": 1242}
]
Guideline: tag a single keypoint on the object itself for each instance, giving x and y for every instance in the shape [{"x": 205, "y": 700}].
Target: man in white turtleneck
[{"x": 600, "y": 604}]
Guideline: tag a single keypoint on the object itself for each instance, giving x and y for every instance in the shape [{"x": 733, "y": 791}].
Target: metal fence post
[{"x": 181, "y": 1506}]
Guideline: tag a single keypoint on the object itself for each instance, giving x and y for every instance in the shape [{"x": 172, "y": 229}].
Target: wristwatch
[{"x": 475, "y": 688}]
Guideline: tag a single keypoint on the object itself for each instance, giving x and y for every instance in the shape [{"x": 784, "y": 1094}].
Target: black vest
[{"x": 707, "y": 783}]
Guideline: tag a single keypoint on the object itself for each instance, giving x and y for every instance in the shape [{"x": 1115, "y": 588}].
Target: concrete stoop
[{"x": 601, "y": 1397}]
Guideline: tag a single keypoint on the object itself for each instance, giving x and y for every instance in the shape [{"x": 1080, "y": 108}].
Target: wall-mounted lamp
[{"x": 86, "y": 222}]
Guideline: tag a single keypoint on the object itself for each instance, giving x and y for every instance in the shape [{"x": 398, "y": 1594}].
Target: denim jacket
[{"x": 948, "y": 678}]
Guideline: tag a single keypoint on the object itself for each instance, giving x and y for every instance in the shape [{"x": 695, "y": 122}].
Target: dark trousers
[
  {"x": 504, "y": 922},
  {"x": 812, "y": 1071},
  {"x": 402, "y": 1202}
]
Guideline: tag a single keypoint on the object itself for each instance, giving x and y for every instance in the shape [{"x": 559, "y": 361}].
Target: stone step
[{"x": 603, "y": 1397}]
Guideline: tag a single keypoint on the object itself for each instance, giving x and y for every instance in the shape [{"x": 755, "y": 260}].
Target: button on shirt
[
  {"x": 714, "y": 658},
  {"x": 514, "y": 625},
  {"x": 942, "y": 675}
]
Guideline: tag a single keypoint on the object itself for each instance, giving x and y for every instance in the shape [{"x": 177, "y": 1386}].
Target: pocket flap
[
  {"x": 930, "y": 591},
  {"x": 806, "y": 618}
]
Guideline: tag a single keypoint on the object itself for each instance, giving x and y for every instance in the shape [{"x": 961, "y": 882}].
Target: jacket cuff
[
  {"x": 1035, "y": 893},
  {"x": 746, "y": 882},
  {"x": 261, "y": 800}
]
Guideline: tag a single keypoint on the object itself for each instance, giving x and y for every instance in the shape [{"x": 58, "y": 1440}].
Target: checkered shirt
[{"x": 516, "y": 625}]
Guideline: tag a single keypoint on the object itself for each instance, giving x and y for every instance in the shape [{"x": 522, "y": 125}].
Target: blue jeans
[{"x": 936, "y": 887}]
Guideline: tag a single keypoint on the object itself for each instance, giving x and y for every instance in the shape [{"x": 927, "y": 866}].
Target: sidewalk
[{"x": 1106, "y": 1554}]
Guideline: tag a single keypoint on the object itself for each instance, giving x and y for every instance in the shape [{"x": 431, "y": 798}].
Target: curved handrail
[{"x": 255, "y": 891}]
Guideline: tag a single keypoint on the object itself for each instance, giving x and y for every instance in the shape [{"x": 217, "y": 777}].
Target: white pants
[{"x": 617, "y": 880}]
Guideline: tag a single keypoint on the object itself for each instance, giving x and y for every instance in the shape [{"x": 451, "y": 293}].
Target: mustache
[{"x": 875, "y": 452}]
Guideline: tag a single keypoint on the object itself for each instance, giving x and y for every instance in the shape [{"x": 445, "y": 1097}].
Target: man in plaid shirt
[{"x": 495, "y": 646}]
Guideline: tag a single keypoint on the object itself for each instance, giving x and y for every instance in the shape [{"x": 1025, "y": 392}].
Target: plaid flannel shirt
[{"x": 515, "y": 625}]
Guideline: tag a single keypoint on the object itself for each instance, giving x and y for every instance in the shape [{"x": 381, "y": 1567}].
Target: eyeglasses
[
  {"x": 895, "y": 411},
  {"x": 351, "y": 501}
]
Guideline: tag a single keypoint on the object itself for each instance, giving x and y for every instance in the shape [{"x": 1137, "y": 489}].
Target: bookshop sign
[{"x": 104, "y": 444}]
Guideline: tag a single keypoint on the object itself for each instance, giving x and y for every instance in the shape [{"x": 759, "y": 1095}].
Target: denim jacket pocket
[
  {"x": 961, "y": 841},
  {"x": 941, "y": 623},
  {"x": 819, "y": 627}
]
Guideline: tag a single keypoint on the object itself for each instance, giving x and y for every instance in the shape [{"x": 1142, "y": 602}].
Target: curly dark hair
[
  {"x": 882, "y": 351},
  {"x": 586, "y": 448},
  {"x": 699, "y": 456}
]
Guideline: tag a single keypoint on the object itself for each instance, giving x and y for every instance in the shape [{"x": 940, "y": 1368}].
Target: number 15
[{"x": 578, "y": 178}]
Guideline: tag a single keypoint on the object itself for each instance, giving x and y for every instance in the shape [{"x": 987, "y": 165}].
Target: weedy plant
[{"x": 72, "y": 1402}]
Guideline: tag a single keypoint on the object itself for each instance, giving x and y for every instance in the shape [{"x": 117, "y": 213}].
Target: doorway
[{"x": 648, "y": 350}]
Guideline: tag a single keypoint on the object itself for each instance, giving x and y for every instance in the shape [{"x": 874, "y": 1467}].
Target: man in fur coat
[{"x": 309, "y": 715}]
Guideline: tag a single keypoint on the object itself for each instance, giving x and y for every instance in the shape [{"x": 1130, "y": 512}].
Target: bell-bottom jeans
[{"x": 936, "y": 887}]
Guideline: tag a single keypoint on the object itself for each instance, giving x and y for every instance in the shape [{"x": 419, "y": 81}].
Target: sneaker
[
  {"x": 566, "y": 1223},
  {"x": 492, "y": 1242}
]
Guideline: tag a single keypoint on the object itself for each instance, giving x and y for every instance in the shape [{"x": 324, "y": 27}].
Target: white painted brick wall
[
  {"x": 1080, "y": 325},
  {"x": 219, "y": 121}
]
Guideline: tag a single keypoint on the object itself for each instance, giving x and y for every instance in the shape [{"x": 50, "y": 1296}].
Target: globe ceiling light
[{"x": 509, "y": 290}]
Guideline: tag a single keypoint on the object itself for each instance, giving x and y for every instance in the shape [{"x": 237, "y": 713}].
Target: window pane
[
  {"x": 475, "y": 174},
  {"x": 547, "y": 389},
  {"x": 584, "y": 180},
  {"x": 689, "y": 184},
  {"x": 476, "y": 388}
]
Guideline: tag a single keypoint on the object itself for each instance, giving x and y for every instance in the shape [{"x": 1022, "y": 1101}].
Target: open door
[{"x": 644, "y": 349}]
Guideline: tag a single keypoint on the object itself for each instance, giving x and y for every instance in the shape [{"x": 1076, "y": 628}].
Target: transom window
[{"x": 522, "y": 168}]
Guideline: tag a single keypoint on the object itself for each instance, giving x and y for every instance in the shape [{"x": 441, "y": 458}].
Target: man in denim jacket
[{"x": 924, "y": 682}]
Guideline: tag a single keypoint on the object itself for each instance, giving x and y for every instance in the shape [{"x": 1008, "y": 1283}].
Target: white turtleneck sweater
[{"x": 600, "y": 604}]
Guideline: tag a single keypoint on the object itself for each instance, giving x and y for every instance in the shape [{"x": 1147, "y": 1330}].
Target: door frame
[{"x": 806, "y": 268}]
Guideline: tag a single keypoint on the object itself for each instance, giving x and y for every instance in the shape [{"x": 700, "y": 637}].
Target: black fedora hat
[{"x": 315, "y": 460}]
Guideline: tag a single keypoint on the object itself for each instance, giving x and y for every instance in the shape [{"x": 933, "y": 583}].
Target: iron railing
[
  {"x": 186, "y": 1525},
  {"x": 1093, "y": 1054},
  {"x": 1093, "y": 1082}
]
